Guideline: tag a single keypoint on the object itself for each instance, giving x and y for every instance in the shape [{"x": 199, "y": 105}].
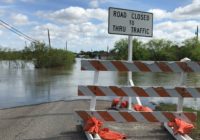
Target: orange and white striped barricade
[
  {"x": 140, "y": 66},
  {"x": 132, "y": 116},
  {"x": 139, "y": 91}
]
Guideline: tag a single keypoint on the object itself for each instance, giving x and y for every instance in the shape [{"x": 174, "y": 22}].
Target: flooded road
[{"x": 21, "y": 84}]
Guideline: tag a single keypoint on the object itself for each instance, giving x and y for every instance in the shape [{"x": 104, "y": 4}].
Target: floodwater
[{"x": 21, "y": 84}]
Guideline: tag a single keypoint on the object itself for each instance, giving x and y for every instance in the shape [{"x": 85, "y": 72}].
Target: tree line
[
  {"x": 157, "y": 50},
  {"x": 42, "y": 55}
]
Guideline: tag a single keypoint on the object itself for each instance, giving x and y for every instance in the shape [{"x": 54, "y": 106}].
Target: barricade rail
[
  {"x": 140, "y": 66},
  {"x": 132, "y": 116},
  {"x": 137, "y": 91}
]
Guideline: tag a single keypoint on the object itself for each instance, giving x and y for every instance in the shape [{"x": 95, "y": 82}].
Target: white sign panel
[{"x": 130, "y": 22}]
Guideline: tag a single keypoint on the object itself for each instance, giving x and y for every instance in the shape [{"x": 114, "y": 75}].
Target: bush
[
  {"x": 46, "y": 57},
  {"x": 42, "y": 55}
]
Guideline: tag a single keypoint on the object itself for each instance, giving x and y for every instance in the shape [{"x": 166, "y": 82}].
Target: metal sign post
[
  {"x": 131, "y": 23},
  {"x": 130, "y": 80}
]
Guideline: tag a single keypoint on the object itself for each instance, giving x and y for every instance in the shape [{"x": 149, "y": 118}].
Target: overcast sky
[{"x": 83, "y": 23}]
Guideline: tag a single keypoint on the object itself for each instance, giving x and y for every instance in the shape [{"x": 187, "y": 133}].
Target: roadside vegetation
[
  {"x": 42, "y": 56},
  {"x": 172, "y": 107},
  {"x": 157, "y": 50}
]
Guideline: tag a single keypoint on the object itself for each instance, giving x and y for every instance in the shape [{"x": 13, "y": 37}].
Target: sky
[{"x": 83, "y": 24}]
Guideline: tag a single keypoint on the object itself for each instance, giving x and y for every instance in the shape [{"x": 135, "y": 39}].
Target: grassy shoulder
[{"x": 172, "y": 107}]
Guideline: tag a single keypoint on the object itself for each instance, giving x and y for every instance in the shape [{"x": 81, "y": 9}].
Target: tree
[
  {"x": 189, "y": 49},
  {"x": 157, "y": 48},
  {"x": 191, "y": 42},
  {"x": 120, "y": 50},
  {"x": 139, "y": 51}
]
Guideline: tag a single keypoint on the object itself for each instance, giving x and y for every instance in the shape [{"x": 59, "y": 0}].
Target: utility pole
[
  {"x": 197, "y": 33},
  {"x": 107, "y": 51},
  {"x": 66, "y": 45},
  {"x": 107, "y": 48},
  {"x": 25, "y": 44},
  {"x": 49, "y": 38}
]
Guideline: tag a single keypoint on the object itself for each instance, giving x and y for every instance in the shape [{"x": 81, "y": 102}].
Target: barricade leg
[
  {"x": 93, "y": 103},
  {"x": 179, "y": 108},
  {"x": 180, "y": 104},
  {"x": 93, "y": 100}
]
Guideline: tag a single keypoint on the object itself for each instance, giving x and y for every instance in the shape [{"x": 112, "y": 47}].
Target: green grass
[
  {"x": 43, "y": 56},
  {"x": 172, "y": 107}
]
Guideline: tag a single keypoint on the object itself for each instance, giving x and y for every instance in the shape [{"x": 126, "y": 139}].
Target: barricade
[{"x": 179, "y": 92}]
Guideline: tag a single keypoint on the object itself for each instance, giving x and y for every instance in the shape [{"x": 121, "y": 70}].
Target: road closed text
[
  {"x": 130, "y": 22},
  {"x": 133, "y": 29},
  {"x": 140, "y": 30}
]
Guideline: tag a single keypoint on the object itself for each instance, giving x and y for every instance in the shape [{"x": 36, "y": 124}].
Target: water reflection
[
  {"x": 26, "y": 85},
  {"x": 151, "y": 79}
]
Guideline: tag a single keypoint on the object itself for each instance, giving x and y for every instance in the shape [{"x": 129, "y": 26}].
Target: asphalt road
[{"x": 55, "y": 121}]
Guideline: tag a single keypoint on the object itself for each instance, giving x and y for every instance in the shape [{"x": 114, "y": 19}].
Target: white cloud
[
  {"x": 100, "y": 14},
  {"x": 86, "y": 28},
  {"x": 160, "y": 14},
  {"x": 190, "y": 11},
  {"x": 67, "y": 15},
  {"x": 176, "y": 26},
  {"x": 1, "y": 32},
  {"x": 20, "y": 19},
  {"x": 181, "y": 24},
  {"x": 175, "y": 31},
  {"x": 84, "y": 36},
  {"x": 74, "y": 15},
  {"x": 40, "y": 32},
  {"x": 77, "y": 25},
  {"x": 70, "y": 31}
]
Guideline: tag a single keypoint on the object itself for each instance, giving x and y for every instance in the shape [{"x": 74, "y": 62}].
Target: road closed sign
[{"x": 130, "y": 22}]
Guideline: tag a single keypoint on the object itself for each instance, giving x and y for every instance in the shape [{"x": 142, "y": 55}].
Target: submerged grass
[
  {"x": 172, "y": 107},
  {"x": 43, "y": 56}
]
